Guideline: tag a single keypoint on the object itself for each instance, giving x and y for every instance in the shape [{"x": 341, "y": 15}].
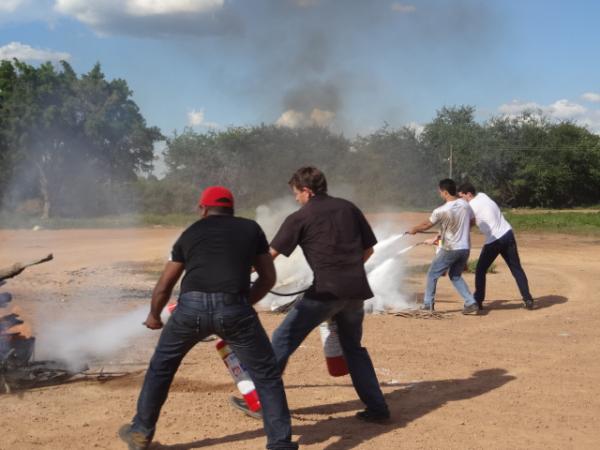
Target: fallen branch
[{"x": 17, "y": 268}]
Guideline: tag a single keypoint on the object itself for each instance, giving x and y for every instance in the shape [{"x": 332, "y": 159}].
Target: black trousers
[{"x": 507, "y": 247}]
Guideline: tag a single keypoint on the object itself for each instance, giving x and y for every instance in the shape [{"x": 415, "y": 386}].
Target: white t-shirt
[
  {"x": 454, "y": 218},
  {"x": 489, "y": 218}
]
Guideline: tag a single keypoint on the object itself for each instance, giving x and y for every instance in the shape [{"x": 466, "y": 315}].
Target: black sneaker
[
  {"x": 425, "y": 307},
  {"x": 134, "y": 439},
  {"x": 480, "y": 304},
  {"x": 373, "y": 417},
  {"x": 529, "y": 304},
  {"x": 471, "y": 309},
  {"x": 240, "y": 404}
]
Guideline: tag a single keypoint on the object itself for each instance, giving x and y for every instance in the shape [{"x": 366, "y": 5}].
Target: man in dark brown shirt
[{"x": 336, "y": 240}]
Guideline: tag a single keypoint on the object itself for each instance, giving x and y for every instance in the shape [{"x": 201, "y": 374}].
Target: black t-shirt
[
  {"x": 333, "y": 234},
  {"x": 218, "y": 253}
]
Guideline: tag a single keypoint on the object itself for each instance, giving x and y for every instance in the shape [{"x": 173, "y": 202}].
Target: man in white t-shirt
[
  {"x": 499, "y": 240},
  {"x": 454, "y": 219}
]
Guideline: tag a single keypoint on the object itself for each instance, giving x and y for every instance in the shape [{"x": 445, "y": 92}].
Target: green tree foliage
[
  {"x": 80, "y": 143},
  {"x": 520, "y": 161},
  {"x": 69, "y": 138},
  {"x": 255, "y": 162},
  {"x": 392, "y": 168}
]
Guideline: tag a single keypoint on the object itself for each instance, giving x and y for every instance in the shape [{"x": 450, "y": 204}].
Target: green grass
[
  {"x": 472, "y": 265},
  {"x": 555, "y": 221}
]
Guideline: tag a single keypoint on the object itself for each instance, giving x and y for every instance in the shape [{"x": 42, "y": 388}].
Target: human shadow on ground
[
  {"x": 545, "y": 301},
  {"x": 406, "y": 405}
]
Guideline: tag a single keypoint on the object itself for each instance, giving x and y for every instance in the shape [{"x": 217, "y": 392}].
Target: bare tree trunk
[{"x": 44, "y": 192}]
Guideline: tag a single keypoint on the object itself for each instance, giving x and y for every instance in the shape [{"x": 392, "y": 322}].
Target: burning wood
[{"x": 17, "y": 370}]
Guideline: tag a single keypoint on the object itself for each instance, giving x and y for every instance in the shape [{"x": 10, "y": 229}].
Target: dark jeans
[
  {"x": 198, "y": 315},
  {"x": 306, "y": 315},
  {"x": 507, "y": 247}
]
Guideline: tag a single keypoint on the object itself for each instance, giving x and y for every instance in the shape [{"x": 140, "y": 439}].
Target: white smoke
[{"x": 76, "y": 341}]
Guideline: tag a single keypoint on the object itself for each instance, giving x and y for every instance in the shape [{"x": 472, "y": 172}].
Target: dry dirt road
[{"x": 507, "y": 379}]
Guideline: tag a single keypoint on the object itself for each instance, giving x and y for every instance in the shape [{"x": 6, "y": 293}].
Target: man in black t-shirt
[
  {"x": 217, "y": 254},
  {"x": 336, "y": 240}
]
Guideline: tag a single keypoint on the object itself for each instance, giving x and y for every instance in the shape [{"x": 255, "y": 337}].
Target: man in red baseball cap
[
  {"x": 216, "y": 196},
  {"x": 216, "y": 253}
]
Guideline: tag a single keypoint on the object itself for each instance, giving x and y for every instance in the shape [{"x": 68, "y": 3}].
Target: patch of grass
[
  {"x": 579, "y": 222},
  {"x": 472, "y": 265}
]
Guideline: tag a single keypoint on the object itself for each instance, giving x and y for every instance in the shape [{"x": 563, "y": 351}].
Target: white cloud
[
  {"x": 560, "y": 110},
  {"x": 197, "y": 119},
  {"x": 10, "y": 5},
  {"x": 150, "y": 17},
  {"x": 516, "y": 107},
  {"x": 295, "y": 119},
  {"x": 93, "y": 13},
  {"x": 418, "y": 127},
  {"x": 152, "y": 7},
  {"x": 403, "y": 8},
  {"x": 25, "y": 52},
  {"x": 591, "y": 97},
  {"x": 564, "y": 110}
]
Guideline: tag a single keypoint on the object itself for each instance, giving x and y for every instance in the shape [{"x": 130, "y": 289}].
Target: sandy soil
[{"x": 509, "y": 378}]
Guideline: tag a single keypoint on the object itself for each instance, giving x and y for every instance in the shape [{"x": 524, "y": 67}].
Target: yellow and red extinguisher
[{"x": 334, "y": 355}]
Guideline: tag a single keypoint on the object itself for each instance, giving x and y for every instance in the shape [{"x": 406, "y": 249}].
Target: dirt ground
[{"x": 509, "y": 378}]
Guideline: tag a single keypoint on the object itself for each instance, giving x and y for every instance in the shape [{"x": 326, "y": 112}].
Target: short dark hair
[
  {"x": 219, "y": 210},
  {"x": 311, "y": 178},
  {"x": 448, "y": 185},
  {"x": 467, "y": 188}
]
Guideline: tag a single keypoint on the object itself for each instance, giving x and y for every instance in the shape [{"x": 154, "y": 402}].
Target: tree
[
  {"x": 79, "y": 135},
  {"x": 255, "y": 162}
]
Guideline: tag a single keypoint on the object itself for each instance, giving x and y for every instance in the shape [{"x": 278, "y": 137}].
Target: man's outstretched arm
[{"x": 162, "y": 292}]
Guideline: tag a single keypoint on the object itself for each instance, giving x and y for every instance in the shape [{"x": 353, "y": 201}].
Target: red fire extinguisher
[
  {"x": 334, "y": 355},
  {"x": 240, "y": 376}
]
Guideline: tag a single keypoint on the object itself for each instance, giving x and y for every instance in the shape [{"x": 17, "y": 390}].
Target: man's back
[
  {"x": 218, "y": 252},
  {"x": 333, "y": 234},
  {"x": 489, "y": 218}
]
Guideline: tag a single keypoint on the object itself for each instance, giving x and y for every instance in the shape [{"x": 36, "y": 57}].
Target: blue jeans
[
  {"x": 197, "y": 316},
  {"x": 507, "y": 247},
  {"x": 306, "y": 315},
  {"x": 454, "y": 262}
]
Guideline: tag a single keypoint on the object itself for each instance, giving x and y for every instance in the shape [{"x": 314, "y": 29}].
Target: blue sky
[{"x": 349, "y": 64}]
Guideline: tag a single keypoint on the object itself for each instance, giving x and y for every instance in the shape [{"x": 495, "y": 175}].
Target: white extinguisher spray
[
  {"x": 240, "y": 376},
  {"x": 334, "y": 355}
]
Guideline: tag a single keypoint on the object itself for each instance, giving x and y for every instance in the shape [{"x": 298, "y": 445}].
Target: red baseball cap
[{"x": 216, "y": 196}]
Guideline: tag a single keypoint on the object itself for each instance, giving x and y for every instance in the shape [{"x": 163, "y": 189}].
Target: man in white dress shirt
[
  {"x": 499, "y": 240},
  {"x": 454, "y": 219}
]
